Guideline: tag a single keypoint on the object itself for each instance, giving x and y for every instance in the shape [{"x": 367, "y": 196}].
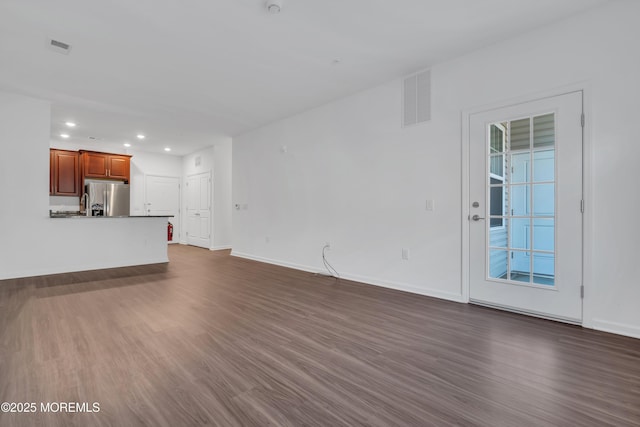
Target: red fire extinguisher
[{"x": 169, "y": 232}]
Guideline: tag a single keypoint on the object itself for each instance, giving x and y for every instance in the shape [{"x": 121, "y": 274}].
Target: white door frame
[{"x": 587, "y": 219}]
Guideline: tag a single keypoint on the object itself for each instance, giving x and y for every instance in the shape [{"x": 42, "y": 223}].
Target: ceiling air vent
[
  {"x": 60, "y": 47},
  {"x": 416, "y": 99}
]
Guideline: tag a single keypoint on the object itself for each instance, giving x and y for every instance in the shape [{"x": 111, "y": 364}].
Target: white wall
[
  {"x": 217, "y": 160},
  {"x": 34, "y": 244},
  {"x": 222, "y": 195},
  {"x": 351, "y": 176}
]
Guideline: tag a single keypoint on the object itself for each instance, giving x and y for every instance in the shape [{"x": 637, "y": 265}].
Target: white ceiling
[{"x": 187, "y": 73}]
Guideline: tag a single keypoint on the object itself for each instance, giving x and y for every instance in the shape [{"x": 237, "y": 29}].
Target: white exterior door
[
  {"x": 199, "y": 210},
  {"x": 162, "y": 197},
  {"x": 525, "y": 203}
]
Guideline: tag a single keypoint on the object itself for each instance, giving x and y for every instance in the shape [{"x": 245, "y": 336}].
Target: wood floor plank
[{"x": 213, "y": 340}]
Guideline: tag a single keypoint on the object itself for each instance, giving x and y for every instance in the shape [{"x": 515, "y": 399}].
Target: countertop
[{"x": 78, "y": 216}]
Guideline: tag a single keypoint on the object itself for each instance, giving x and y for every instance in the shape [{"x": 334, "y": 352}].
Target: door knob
[{"x": 476, "y": 218}]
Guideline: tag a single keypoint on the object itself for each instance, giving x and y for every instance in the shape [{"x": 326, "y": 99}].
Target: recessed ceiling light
[
  {"x": 70, "y": 124},
  {"x": 140, "y": 136},
  {"x": 167, "y": 149},
  {"x": 64, "y": 135},
  {"x": 126, "y": 144}
]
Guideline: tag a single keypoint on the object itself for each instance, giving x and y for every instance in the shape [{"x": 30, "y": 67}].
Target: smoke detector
[{"x": 274, "y": 6}]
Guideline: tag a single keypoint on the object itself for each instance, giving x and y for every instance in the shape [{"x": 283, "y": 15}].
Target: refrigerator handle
[{"x": 106, "y": 203}]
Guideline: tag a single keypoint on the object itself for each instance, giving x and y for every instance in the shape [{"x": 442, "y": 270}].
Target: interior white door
[
  {"x": 199, "y": 210},
  {"x": 525, "y": 187},
  {"x": 162, "y": 197}
]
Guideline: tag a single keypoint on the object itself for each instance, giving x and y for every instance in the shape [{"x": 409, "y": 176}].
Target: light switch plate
[{"x": 430, "y": 205}]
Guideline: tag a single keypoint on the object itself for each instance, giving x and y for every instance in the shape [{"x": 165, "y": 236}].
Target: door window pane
[
  {"x": 498, "y": 264},
  {"x": 544, "y": 165},
  {"x": 520, "y": 167},
  {"x": 543, "y": 234},
  {"x": 519, "y": 198},
  {"x": 519, "y": 233},
  {"x": 544, "y": 269},
  {"x": 497, "y": 138},
  {"x": 544, "y": 199},
  {"x": 544, "y": 131},
  {"x": 520, "y": 266},
  {"x": 496, "y": 203},
  {"x": 498, "y": 235},
  {"x": 497, "y": 165},
  {"x": 520, "y": 135}
]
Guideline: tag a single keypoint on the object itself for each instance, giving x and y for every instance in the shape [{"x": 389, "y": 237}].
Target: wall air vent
[
  {"x": 58, "y": 46},
  {"x": 416, "y": 99}
]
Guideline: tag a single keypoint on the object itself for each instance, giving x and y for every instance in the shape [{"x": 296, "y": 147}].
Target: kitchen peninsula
[
  {"x": 34, "y": 244},
  {"x": 110, "y": 236}
]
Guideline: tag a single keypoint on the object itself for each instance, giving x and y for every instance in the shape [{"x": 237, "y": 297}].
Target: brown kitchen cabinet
[
  {"x": 64, "y": 173},
  {"x": 105, "y": 165}
]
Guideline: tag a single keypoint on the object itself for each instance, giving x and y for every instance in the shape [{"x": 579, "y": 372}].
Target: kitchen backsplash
[{"x": 61, "y": 203}]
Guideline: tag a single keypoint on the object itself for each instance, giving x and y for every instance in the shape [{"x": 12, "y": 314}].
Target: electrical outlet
[{"x": 405, "y": 254}]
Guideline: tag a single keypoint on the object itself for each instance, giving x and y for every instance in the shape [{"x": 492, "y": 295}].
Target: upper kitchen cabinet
[
  {"x": 64, "y": 175},
  {"x": 105, "y": 165}
]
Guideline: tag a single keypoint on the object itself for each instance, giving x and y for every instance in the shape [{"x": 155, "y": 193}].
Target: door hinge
[
  {"x": 582, "y": 291},
  {"x": 582, "y": 120},
  {"x": 582, "y": 205}
]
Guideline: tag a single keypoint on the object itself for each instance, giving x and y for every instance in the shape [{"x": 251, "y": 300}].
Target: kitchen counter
[
  {"x": 72, "y": 243},
  {"x": 103, "y": 217},
  {"x": 67, "y": 214}
]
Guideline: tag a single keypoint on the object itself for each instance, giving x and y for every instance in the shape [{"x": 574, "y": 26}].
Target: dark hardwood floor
[{"x": 215, "y": 340}]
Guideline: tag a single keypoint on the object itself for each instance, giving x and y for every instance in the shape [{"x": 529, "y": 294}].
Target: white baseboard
[
  {"x": 362, "y": 279},
  {"x": 220, "y": 248},
  {"x": 616, "y": 328},
  {"x": 275, "y": 262},
  {"x": 405, "y": 287}
]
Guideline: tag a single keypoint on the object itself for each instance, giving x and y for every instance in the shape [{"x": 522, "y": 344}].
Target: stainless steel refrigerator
[{"x": 107, "y": 198}]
